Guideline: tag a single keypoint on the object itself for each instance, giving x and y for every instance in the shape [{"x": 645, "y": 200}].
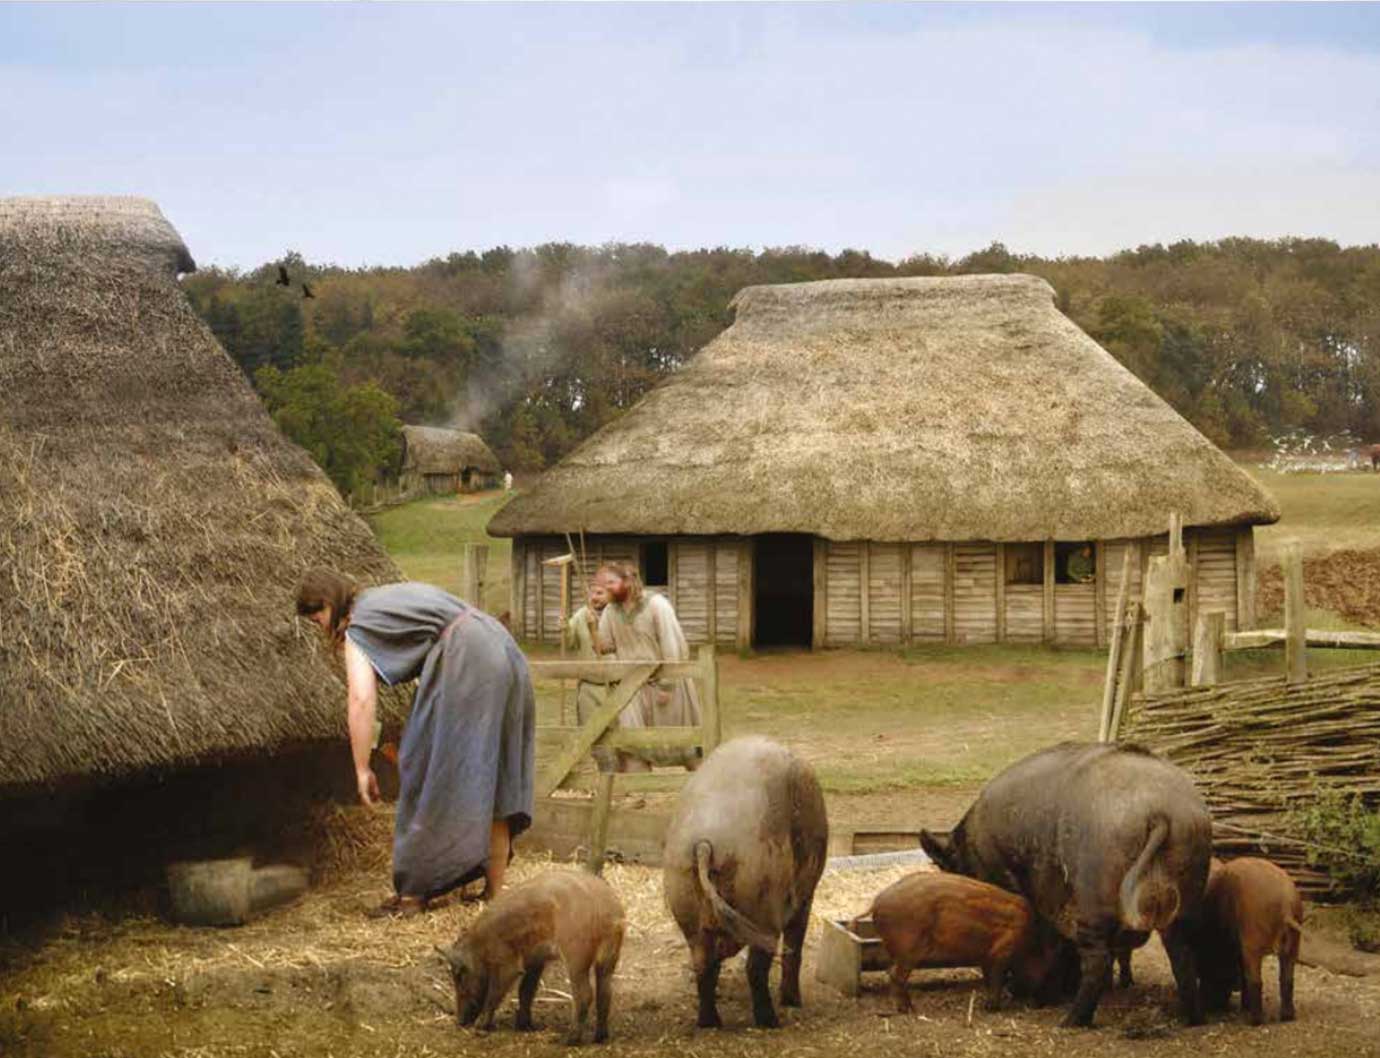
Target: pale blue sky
[{"x": 368, "y": 134}]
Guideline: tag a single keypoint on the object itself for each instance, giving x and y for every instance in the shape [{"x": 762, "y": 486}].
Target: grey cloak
[{"x": 467, "y": 750}]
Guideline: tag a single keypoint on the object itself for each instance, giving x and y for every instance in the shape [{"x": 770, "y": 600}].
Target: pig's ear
[{"x": 939, "y": 847}]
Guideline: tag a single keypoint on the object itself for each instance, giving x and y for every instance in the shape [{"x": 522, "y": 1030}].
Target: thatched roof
[
  {"x": 431, "y": 450},
  {"x": 153, "y": 521},
  {"x": 961, "y": 408}
]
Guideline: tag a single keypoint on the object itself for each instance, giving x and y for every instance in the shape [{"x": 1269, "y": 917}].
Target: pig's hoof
[
  {"x": 709, "y": 1021},
  {"x": 767, "y": 1021}
]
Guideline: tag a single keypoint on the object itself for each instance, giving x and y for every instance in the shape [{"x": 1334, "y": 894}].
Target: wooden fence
[
  {"x": 564, "y": 753},
  {"x": 1257, "y": 748}
]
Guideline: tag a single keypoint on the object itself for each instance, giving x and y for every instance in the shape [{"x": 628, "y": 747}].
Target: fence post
[
  {"x": 475, "y": 562},
  {"x": 599, "y": 823},
  {"x": 1118, "y": 644},
  {"x": 1207, "y": 648},
  {"x": 1295, "y": 618},
  {"x": 711, "y": 718},
  {"x": 1166, "y": 614}
]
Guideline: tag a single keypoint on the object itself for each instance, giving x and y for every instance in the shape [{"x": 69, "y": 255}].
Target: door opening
[{"x": 784, "y": 589}]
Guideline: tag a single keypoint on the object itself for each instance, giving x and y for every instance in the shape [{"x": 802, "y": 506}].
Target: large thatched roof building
[
  {"x": 440, "y": 460},
  {"x": 153, "y": 521},
  {"x": 893, "y": 460}
]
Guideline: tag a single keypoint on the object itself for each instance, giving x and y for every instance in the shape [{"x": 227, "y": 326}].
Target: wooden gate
[{"x": 564, "y": 760}]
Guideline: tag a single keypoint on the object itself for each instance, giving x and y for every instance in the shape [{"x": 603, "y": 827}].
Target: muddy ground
[
  {"x": 319, "y": 979},
  {"x": 1345, "y": 582}
]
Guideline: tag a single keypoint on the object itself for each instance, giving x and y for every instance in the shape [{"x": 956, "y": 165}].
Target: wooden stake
[
  {"x": 1000, "y": 593},
  {"x": 1295, "y": 624},
  {"x": 1208, "y": 636},
  {"x": 819, "y": 632},
  {"x": 1047, "y": 594},
  {"x": 1123, "y": 595},
  {"x": 1126, "y": 679},
  {"x": 711, "y": 717},
  {"x": 599, "y": 823}
]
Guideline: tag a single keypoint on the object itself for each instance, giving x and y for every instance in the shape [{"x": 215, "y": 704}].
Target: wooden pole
[
  {"x": 819, "y": 631},
  {"x": 1166, "y": 614},
  {"x": 1126, "y": 679},
  {"x": 1245, "y": 579},
  {"x": 950, "y": 582},
  {"x": 1000, "y": 592},
  {"x": 517, "y": 588},
  {"x": 1123, "y": 595},
  {"x": 745, "y": 607},
  {"x": 599, "y": 823},
  {"x": 1208, "y": 636},
  {"x": 1100, "y": 594},
  {"x": 711, "y": 716},
  {"x": 1295, "y": 623},
  {"x": 1047, "y": 593},
  {"x": 906, "y": 598},
  {"x": 711, "y": 590},
  {"x": 475, "y": 563},
  {"x": 864, "y": 593}
]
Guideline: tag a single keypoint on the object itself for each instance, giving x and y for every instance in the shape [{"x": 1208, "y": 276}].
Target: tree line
[{"x": 536, "y": 348}]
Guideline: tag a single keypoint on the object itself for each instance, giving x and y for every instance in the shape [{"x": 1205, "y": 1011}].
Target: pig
[
  {"x": 744, "y": 852},
  {"x": 1105, "y": 841},
  {"x": 1252, "y": 909},
  {"x": 571, "y": 914},
  {"x": 934, "y": 921}
]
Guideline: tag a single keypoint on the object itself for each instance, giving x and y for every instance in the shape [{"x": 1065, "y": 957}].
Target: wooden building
[
  {"x": 445, "y": 461},
  {"x": 893, "y": 461}
]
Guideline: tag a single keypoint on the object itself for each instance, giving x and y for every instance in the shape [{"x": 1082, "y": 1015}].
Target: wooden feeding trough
[{"x": 847, "y": 949}]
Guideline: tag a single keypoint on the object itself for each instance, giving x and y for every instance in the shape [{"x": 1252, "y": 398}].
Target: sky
[{"x": 369, "y": 134}]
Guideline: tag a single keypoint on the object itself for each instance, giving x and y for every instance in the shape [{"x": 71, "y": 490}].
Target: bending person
[
  {"x": 642, "y": 626},
  {"x": 466, "y": 756}
]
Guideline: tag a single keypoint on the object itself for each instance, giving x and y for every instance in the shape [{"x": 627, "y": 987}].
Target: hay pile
[
  {"x": 153, "y": 520},
  {"x": 964, "y": 408}
]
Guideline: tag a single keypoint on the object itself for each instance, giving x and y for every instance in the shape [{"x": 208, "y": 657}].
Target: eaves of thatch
[
  {"x": 153, "y": 521},
  {"x": 963, "y": 408},
  {"x": 432, "y": 450}
]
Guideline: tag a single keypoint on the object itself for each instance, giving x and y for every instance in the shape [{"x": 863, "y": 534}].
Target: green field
[{"x": 876, "y": 722}]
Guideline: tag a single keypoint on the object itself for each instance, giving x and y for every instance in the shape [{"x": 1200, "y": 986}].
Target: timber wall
[{"x": 871, "y": 593}]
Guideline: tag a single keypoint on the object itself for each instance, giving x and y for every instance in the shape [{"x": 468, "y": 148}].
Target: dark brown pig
[
  {"x": 1105, "y": 841},
  {"x": 744, "y": 852},
  {"x": 1252, "y": 909},
  {"x": 938, "y": 921},
  {"x": 570, "y": 914}
]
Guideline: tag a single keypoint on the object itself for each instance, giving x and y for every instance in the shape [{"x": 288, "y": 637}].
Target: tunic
[
  {"x": 467, "y": 752},
  {"x": 581, "y": 639},
  {"x": 1080, "y": 567},
  {"x": 651, "y": 631}
]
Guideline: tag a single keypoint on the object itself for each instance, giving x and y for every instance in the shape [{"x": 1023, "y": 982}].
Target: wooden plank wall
[
  {"x": 843, "y": 573},
  {"x": 726, "y": 553},
  {"x": 927, "y": 565},
  {"x": 689, "y": 587},
  {"x": 975, "y": 593},
  {"x": 1216, "y": 573},
  {"x": 884, "y": 593},
  {"x": 1025, "y": 613},
  {"x": 1075, "y": 614}
]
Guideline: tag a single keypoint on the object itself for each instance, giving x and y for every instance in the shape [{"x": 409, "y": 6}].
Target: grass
[{"x": 1325, "y": 512}]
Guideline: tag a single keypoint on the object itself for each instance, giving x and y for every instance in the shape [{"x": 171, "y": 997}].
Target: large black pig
[
  {"x": 1105, "y": 841},
  {"x": 744, "y": 853}
]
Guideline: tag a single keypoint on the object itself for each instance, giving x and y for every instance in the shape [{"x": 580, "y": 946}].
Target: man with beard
[{"x": 641, "y": 626}]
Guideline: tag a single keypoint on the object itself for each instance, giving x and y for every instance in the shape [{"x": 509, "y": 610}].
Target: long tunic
[
  {"x": 646, "y": 632},
  {"x": 580, "y": 638},
  {"x": 467, "y": 752}
]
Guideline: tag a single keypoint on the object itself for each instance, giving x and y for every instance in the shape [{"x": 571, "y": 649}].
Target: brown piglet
[
  {"x": 938, "y": 921},
  {"x": 1251, "y": 909},
  {"x": 570, "y": 914}
]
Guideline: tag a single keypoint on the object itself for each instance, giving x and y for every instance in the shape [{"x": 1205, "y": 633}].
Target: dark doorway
[
  {"x": 656, "y": 565},
  {"x": 784, "y": 592}
]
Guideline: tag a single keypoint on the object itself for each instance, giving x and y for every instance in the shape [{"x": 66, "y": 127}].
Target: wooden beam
[
  {"x": 864, "y": 593},
  {"x": 1192, "y": 546},
  {"x": 652, "y": 738},
  {"x": 950, "y": 577},
  {"x": 1208, "y": 633},
  {"x": 819, "y": 632},
  {"x": 1100, "y": 593},
  {"x": 1000, "y": 593},
  {"x": 906, "y": 617},
  {"x": 746, "y": 617},
  {"x": 1047, "y": 623},
  {"x": 711, "y": 590},
  {"x": 1245, "y": 578},
  {"x": 1260, "y": 638},
  {"x": 541, "y": 597},
  {"x": 1109, "y": 685},
  {"x": 599, "y": 823},
  {"x": 517, "y": 588},
  {"x": 711, "y": 715},
  {"x": 589, "y": 670},
  {"x": 1295, "y": 615},
  {"x": 1130, "y": 665},
  {"x": 672, "y": 571}
]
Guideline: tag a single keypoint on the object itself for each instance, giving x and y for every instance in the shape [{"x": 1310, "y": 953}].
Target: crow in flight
[
  {"x": 283, "y": 280},
  {"x": 306, "y": 291}
]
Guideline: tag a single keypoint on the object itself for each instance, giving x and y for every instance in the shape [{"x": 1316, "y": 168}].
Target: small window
[
  {"x": 1025, "y": 563},
  {"x": 655, "y": 566},
  {"x": 1075, "y": 562}
]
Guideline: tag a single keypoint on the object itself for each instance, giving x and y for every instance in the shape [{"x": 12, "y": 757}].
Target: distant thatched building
[
  {"x": 448, "y": 460},
  {"x": 153, "y": 521},
  {"x": 894, "y": 461}
]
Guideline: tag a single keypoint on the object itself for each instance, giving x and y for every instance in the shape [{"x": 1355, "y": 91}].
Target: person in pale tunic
[
  {"x": 581, "y": 637},
  {"x": 642, "y": 626}
]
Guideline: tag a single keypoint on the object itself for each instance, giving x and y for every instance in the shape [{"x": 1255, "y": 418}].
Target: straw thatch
[
  {"x": 432, "y": 450},
  {"x": 961, "y": 408},
  {"x": 153, "y": 521}
]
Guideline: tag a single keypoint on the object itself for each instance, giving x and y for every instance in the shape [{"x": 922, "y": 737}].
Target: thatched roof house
[
  {"x": 448, "y": 460},
  {"x": 902, "y": 459},
  {"x": 153, "y": 521}
]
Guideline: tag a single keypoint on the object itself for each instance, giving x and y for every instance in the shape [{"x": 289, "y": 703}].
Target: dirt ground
[
  {"x": 318, "y": 979},
  {"x": 1345, "y": 582}
]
